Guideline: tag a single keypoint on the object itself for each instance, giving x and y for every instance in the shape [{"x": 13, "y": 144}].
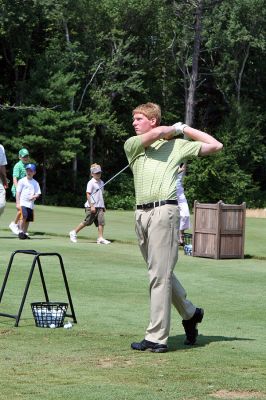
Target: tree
[
  {"x": 232, "y": 175},
  {"x": 233, "y": 54},
  {"x": 21, "y": 41},
  {"x": 82, "y": 66},
  {"x": 53, "y": 139}
]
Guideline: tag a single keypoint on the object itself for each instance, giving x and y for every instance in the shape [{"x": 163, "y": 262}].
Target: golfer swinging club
[{"x": 153, "y": 158}]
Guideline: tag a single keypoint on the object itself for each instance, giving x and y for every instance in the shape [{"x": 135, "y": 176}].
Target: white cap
[{"x": 96, "y": 169}]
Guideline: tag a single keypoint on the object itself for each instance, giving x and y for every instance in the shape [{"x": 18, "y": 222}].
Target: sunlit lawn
[{"x": 109, "y": 290}]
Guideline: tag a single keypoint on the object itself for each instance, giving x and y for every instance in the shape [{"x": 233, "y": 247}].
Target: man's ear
[{"x": 153, "y": 122}]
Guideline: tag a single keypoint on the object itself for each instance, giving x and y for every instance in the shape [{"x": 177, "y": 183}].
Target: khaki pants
[{"x": 156, "y": 230}]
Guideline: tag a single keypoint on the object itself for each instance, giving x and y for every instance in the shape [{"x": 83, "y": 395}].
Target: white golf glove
[{"x": 179, "y": 129}]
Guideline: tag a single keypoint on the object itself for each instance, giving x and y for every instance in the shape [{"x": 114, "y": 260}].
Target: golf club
[{"x": 109, "y": 180}]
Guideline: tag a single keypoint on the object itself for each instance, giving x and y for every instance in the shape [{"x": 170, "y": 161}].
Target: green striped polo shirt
[
  {"x": 155, "y": 167},
  {"x": 19, "y": 172}
]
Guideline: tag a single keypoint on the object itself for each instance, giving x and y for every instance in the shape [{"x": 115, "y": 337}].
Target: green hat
[{"x": 23, "y": 152}]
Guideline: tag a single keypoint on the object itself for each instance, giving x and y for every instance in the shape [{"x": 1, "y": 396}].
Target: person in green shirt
[
  {"x": 154, "y": 155},
  {"x": 19, "y": 172}
]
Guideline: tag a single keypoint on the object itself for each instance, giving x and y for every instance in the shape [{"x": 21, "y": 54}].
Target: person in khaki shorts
[
  {"x": 94, "y": 206},
  {"x": 154, "y": 155}
]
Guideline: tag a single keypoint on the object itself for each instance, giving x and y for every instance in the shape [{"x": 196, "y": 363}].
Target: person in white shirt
[
  {"x": 28, "y": 190},
  {"x": 94, "y": 206},
  {"x": 184, "y": 220},
  {"x": 3, "y": 179}
]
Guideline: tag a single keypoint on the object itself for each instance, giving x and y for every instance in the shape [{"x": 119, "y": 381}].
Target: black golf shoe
[
  {"x": 190, "y": 326},
  {"x": 22, "y": 236},
  {"x": 149, "y": 346}
]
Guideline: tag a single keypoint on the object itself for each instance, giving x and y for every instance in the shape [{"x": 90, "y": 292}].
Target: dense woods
[{"x": 71, "y": 72}]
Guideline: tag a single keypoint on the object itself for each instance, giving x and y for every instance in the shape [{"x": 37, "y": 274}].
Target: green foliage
[
  {"x": 230, "y": 175},
  {"x": 71, "y": 72},
  {"x": 242, "y": 43},
  {"x": 218, "y": 178},
  {"x": 53, "y": 136},
  {"x": 119, "y": 195},
  {"x": 120, "y": 201}
]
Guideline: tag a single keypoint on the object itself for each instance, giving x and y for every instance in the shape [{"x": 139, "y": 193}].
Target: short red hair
[{"x": 150, "y": 110}]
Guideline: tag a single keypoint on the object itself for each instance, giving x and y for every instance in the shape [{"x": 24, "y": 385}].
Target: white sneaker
[
  {"x": 73, "y": 236},
  {"x": 103, "y": 241},
  {"x": 14, "y": 228}
]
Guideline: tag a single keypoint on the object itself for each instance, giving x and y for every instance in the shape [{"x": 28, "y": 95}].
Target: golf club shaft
[{"x": 109, "y": 180}]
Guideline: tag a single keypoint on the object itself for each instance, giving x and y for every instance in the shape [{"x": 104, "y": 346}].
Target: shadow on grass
[
  {"x": 8, "y": 237},
  {"x": 176, "y": 343},
  {"x": 32, "y": 237},
  {"x": 32, "y": 233},
  {"x": 250, "y": 256}
]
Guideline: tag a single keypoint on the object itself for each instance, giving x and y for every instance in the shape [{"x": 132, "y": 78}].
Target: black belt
[{"x": 156, "y": 204}]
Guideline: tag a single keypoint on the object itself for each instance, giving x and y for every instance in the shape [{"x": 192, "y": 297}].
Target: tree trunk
[
  {"x": 190, "y": 101},
  {"x": 240, "y": 75},
  {"x": 91, "y": 150},
  {"x": 74, "y": 172},
  {"x": 71, "y": 107}
]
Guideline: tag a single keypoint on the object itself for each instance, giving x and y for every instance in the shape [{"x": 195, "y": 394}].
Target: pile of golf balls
[{"x": 47, "y": 318}]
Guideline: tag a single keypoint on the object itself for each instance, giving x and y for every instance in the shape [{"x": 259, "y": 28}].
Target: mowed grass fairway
[{"x": 109, "y": 289}]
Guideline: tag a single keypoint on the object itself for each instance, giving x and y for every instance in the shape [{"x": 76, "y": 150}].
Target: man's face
[
  {"x": 25, "y": 159},
  {"x": 142, "y": 124}
]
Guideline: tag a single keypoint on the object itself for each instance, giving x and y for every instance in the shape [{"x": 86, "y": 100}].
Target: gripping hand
[{"x": 179, "y": 129}]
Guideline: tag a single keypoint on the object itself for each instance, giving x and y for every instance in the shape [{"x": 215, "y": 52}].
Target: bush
[
  {"x": 119, "y": 201},
  {"x": 120, "y": 194}
]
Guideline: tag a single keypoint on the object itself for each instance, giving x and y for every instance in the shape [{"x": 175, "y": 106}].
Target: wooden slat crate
[{"x": 219, "y": 230}]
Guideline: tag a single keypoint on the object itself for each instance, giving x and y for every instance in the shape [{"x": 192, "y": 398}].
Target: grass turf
[{"x": 110, "y": 294}]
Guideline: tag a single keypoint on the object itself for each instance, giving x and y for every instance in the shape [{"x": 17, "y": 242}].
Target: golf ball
[{"x": 52, "y": 326}]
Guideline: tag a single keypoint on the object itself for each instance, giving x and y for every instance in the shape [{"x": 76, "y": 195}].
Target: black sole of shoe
[
  {"x": 188, "y": 342},
  {"x": 160, "y": 350}
]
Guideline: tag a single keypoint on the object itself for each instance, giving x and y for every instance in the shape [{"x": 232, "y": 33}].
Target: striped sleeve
[{"x": 133, "y": 148}]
